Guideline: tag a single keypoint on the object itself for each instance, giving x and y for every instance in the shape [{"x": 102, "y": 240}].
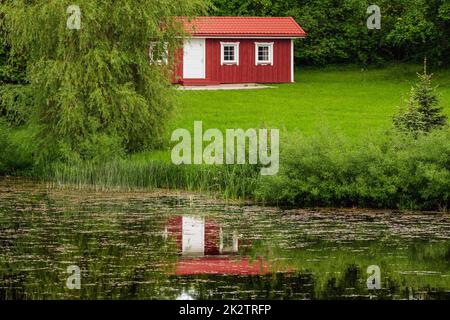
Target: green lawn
[{"x": 338, "y": 98}]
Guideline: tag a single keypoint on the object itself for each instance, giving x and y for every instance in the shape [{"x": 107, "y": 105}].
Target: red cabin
[{"x": 238, "y": 50}]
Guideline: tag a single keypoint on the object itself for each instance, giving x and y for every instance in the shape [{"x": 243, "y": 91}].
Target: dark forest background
[{"x": 337, "y": 31}]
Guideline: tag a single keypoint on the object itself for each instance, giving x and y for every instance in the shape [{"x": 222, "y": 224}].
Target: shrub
[{"x": 394, "y": 171}]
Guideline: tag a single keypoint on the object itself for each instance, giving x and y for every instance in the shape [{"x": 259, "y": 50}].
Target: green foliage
[
  {"x": 5, "y": 147},
  {"x": 15, "y": 98},
  {"x": 15, "y": 150},
  {"x": 392, "y": 171},
  {"x": 410, "y": 120},
  {"x": 337, "y": 31},
  {"x": 12, "y": 67},
  {"x": 94, "y": 89},
  {"x": 16, "y": 103},
  {"x": 423, "y": 113}
]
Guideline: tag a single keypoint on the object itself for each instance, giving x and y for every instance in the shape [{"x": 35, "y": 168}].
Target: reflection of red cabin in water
[
  {"x": 207, "y": 249},
  {"x": 207, "y": 265}
]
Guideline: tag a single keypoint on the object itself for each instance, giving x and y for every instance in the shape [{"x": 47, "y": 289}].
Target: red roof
[
  {"x": 221, "y": 266},
  {"x": 244, "y": 27}
]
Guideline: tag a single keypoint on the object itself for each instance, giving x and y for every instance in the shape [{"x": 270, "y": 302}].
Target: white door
[
  {"x": 193, "y": 238},
  {"x": 194, "y": 59}
]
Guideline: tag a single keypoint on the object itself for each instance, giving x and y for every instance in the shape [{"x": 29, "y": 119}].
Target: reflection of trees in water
[
  {"x": 352, "y": 285},
  {"x": 123, "y": 253},
  {"x": 272, "y": 286},
  {"x": 298, "y": 285}
]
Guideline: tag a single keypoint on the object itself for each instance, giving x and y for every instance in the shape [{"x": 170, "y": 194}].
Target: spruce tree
[{"x": 423, "y": 112}]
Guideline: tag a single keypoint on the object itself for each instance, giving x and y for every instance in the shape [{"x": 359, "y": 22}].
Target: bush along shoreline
[
  {"x": 391, "y": 170},
  {"x": 387, "y": 171}
]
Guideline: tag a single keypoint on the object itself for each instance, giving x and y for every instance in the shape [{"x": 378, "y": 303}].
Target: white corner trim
[
  {"x": 204, "y": 57},
  {"x": 292, "y": 62},
  {"x": 236, "y": 53},
  {"x": 264, "y": 44}
]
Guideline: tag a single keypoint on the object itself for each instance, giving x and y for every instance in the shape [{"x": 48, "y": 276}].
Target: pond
[{"x": 178, "y": 246}]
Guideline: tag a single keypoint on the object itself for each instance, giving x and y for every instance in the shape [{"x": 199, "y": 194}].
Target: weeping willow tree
[{"x": 95, "y": 91}]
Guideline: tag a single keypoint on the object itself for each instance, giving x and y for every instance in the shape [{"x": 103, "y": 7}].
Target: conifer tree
[{"x": 423, "y": 112}]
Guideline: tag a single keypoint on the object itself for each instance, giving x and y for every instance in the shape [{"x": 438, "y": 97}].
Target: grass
[{"x": 342, "y": 98}]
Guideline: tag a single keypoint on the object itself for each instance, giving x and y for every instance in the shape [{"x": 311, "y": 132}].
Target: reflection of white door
[
  {"x": 194, "y": 59},
  {"x": 193, "y": 235}
]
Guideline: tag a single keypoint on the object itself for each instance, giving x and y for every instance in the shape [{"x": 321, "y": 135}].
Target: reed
[{"x": 230, "y": 181}]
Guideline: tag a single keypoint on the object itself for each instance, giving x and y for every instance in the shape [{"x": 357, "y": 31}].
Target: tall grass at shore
[{"x": 237, "y": 182}]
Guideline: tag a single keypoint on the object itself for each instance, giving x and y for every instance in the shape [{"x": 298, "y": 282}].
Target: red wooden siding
[{"x": 246, "y": 71}]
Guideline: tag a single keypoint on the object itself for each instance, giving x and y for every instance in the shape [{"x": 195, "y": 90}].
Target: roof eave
[{"x": 248, "y": 36}]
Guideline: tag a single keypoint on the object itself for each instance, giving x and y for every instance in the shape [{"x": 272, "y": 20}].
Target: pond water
[{"x": 176, "y": 246}]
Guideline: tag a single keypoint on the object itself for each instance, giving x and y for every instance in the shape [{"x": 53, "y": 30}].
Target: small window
[
  {"x": 229, "y": 53},
  {"x": 264, "y": 53},
  {"x": 158, "y": 52}
]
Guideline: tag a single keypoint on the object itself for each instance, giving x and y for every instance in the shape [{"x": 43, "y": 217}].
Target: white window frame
[
  {"x": 236, "y": 53},
  {"x": 165, "y": 59},
  {"x": 263, "y": 44},
  {"x": 292, "y": 62}
]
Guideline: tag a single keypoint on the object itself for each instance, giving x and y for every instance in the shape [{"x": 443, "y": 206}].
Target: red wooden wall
[{"x": 246, "y": 71}]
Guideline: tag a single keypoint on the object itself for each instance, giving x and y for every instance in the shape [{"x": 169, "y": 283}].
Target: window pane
[
  {"x": 263, "y": 53},
  {"x": 228, "y": 54}
]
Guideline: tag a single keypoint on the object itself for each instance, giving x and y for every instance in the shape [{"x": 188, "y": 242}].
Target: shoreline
[{"x": 204, "y": 197}]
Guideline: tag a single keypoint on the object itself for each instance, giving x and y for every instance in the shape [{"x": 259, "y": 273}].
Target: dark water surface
[{"x": 156, "y": 246}]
